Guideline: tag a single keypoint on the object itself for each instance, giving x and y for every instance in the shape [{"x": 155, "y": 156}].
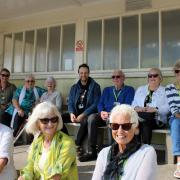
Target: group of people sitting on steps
[{"x": 118, "y": 107}]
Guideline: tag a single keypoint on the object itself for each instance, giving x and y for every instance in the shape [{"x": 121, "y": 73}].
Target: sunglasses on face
[
  {"x": 125, "y": 126},
  {"x": 153, "y": 75},
  {"x": 30, "y": 81},
  {"x": 177, "y": 71},
  {"x": 47, "y": 120},
  {"x": 5, "y": 75},
  {"x": 116, "y": 77}
]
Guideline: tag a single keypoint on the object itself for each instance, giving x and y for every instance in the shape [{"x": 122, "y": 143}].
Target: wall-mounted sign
[{"x": 79, "y": 45}]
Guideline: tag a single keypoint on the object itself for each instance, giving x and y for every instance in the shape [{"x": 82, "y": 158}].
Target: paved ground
[{"x": 165, "y": 171}]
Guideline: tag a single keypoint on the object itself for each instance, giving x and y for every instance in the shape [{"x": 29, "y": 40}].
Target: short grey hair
[
  {"x": 127, "y": 110},
  {"x": 50, "y": 79},
  {"x": 42, "y": 110},
  {"x": 120, "y": 72},
  {"x": 29, "y": 76}
]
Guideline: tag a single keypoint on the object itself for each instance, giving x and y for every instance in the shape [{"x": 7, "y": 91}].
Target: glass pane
[
  {"x": 170, "y": 38},
  {"x": 111, "y": 43},
  {"x": 68, "y": 47},
  {"x": 150, "y": 41},
  {"x": 94, "y": 44},
  {"x": 41, "y": 50},
  {"x": 7, "y": 51},
  {"x": 54, "y": 49},
  {"x": 29, "y": 49},
  {"x": 18, "y": 52},
  {"x": 130, "y": 42}
]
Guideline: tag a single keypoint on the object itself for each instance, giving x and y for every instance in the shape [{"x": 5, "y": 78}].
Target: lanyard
[{"x": 116, "y": 96}]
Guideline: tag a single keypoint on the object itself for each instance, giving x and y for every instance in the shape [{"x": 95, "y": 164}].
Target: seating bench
[{"x": 161, "y": 139}]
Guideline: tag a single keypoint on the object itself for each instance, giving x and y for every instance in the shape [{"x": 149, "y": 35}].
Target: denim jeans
[{"x": 175, "y": 135}]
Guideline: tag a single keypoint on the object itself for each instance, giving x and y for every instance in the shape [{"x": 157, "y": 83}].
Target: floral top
[
  {"x": 61, "y": 159},
  {"x": 28, "y": 101}
]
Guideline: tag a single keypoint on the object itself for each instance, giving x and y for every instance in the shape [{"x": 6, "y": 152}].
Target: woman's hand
[
  {"x": 140, "y": 109},
  {"x": 56, "y": 177},
  {"x": 20, "y": 178},
  {"x": 151, "y": 109},
  {"x": 21, "y": 112}
]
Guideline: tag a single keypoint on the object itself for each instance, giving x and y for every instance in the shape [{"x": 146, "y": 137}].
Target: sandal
[
  {"x": 177, "y": 173},
  {"x": 79, "y": 151}
]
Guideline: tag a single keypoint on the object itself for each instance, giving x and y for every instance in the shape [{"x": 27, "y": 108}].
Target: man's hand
[
  {"x": 104, "y": 115},
  {"x": 72, "y": 117},
  {"x": 80, "y": 117}
]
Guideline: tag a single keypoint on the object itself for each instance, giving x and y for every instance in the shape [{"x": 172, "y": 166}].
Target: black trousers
[
  {"x": 18, "y": 121},
  {"x": 88, "y": 126},
  {"x": 146, "y": 128}
]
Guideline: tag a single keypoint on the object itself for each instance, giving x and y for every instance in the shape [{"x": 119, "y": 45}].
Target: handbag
[{"x": 146, "y": 116}]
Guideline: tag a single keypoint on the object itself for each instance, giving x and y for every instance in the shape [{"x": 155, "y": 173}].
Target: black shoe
[{"x": 88, "y": 157}]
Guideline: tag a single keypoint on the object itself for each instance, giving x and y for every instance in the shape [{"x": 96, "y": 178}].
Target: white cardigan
[
  {"x": 142, "y": 165},
  {"x": 159, "y": 100},
  {"x": 6, "y": 151}
]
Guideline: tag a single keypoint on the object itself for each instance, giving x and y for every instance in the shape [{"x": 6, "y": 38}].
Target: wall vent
[{"x": 131, "y": 5}]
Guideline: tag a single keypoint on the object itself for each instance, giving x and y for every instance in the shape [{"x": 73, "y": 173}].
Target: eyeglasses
[
  {"x": 153, "y": 75},
  {"x": 125, "y": 126},
  {"x": 30, "y": 81},
  {"x": 116, "y": 77},
  {"x": 177, "y": 71},
  {"x": 5, "y": 75},
  {"x": 47, "y": 120}
]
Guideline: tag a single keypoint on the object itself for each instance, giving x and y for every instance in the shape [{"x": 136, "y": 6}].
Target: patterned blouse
[{"x": 61, "y": 159}]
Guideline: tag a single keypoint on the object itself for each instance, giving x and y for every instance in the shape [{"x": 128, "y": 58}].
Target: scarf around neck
[{"x": 116, "y": 160}]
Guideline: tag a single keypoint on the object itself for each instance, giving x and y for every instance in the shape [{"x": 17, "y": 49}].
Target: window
[
  {"x": 42, "y": 50},
  {"x": 111, "y": 43},
  {"x": 8, "y": 51},
  {"x": 170, "y": 37},
  {"x": 29, "y": 50},
  {"x": 94, "y": 44},
  {"x": 130, "y": 42},
  {"x": 134, "y": 42},
  {"x": 150, "y": 41}
]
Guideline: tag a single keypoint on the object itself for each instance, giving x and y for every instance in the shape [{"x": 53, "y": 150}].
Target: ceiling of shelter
[{"x": 16, "y": 8}]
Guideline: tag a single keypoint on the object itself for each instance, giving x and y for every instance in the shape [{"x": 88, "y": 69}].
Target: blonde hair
[
  {"x": 126, "y": 110},
  {"x": 176, "y": 65},
  {"x": 42, "y": 110},
  {"x": 158, "y": 71}
]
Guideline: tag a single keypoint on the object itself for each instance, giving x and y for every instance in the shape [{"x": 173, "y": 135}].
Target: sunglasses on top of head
[
  {"x": 47, "y": 120},
  {"x": 176, "y": 71},
  {"x": 125, "y": 126},
  {"x": 153, "y": 75}
]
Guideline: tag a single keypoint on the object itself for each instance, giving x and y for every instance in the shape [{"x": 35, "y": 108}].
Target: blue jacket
[
  {"x": 93, "y": 95},
  {"x": 107, "y": 99}
]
